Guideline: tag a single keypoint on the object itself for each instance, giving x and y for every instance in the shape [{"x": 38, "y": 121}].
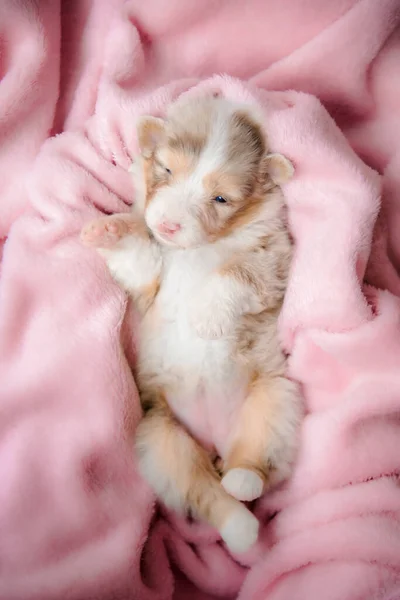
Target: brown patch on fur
[
  {"x": 154, "y": 179},
  {"x": 245, "y": 274},
  {"x": 257, "y": 341},
  {"x": 231, "y": 186},
  {"x": 245, "y": 215},
  {"x": 181, "y": 163},
  {"x": 263, "y": 272},
  {"x": 184, "y": 465},
  {"x": 246, "y": 141},
  {"x": 260, "y": 412},
  {"x": 187, "y": 143},
  {"x": 153, "y": 400}
]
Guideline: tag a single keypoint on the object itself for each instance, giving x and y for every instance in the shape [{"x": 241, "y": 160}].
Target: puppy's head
[{"x": 205, "y": 171}]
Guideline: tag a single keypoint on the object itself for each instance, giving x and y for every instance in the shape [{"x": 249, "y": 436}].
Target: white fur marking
[
  {"x": 243, "y": 484},
  {"x": 240, "y": 531}
]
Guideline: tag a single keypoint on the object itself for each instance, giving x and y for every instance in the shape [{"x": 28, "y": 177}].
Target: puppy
[{"x": 205, "y": 255}]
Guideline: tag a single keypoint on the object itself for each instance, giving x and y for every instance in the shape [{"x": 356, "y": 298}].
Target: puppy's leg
[
  {"x": 181, "y": 473},
  {"x": 264, "y": 444},
  {"x": 132, "y": 257}
]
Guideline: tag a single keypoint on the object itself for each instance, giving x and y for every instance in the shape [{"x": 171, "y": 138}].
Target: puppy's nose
[{"x": 168, "y": 227}]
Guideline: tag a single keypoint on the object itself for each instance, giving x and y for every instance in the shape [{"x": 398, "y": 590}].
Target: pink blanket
[{"x": 76, "y": 522}]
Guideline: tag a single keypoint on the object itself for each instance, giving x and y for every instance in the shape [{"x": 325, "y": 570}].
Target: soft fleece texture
[{"x": 75, "y": 520}]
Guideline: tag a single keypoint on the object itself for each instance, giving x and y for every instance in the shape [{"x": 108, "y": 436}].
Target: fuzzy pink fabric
[{"x": 76, "y": 522}]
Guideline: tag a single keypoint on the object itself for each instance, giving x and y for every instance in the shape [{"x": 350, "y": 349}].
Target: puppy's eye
[
  {"x": 220, "y": 199},
  {"x": 168, "y": 171}
]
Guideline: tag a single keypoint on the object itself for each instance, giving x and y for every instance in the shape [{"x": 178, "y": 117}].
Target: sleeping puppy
[{"x": 205, "y": 256}]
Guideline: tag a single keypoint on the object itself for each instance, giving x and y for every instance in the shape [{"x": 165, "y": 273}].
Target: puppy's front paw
[
  {"x": 105, "y": 232},
  {"x": 211, "y": 323}
]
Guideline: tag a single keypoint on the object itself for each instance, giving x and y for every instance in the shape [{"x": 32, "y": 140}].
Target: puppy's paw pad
[
  {"x": 103, "y": 233},
  {"x": 243, "y": 484},
  {"x": 240, "y": 530}
]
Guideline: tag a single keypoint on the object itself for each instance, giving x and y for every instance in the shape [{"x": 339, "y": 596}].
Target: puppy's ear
[
  {"x": 275, "y": 169},
  {"x": 151, "y": 132}
]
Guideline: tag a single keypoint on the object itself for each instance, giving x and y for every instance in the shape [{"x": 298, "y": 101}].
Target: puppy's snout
[{"x": 168, "y": 228}]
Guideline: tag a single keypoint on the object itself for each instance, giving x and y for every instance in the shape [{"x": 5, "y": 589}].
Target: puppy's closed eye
[{"x": 166, "y": 170}]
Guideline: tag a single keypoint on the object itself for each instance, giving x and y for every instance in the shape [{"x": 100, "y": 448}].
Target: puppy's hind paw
[
  {"x": 240, "y": 530},
  {"x": 243, "y": 484}
]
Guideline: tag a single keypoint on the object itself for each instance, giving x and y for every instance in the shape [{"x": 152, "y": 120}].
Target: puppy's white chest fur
[
  {"x": 200, "y": 376},
  {"x": 169, "y": 342}
]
